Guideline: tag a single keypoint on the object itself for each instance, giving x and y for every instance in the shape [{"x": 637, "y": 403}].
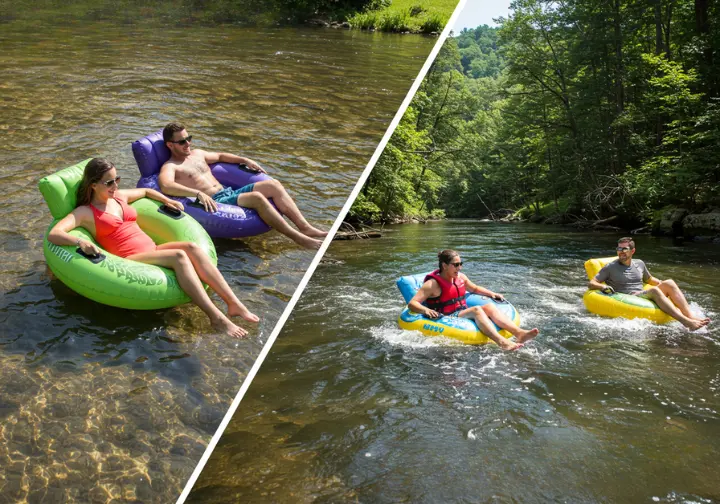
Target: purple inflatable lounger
[{"x": 229, "y": 221}]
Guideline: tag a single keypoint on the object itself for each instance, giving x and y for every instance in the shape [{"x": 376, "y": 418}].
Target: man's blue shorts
[{"x": 229, "y": 196}]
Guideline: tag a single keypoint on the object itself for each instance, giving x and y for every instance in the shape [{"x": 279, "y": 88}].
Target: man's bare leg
[
  {"x": 259, "y": 202},
  {"x": 486, "y": 326},
  {"x": 275, "y": 190},
  {"x": 671, "y": 290},
  {"x": 497, "y": 316},
  {"x": 668, "y": 307}
]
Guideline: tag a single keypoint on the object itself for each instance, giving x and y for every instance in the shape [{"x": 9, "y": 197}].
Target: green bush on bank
[{"x": 404, "y": 16}]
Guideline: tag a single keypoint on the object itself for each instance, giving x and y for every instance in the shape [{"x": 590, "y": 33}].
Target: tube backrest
[
  {"x": 60, "y": 189},
  {"x": 150, "y": 153}
]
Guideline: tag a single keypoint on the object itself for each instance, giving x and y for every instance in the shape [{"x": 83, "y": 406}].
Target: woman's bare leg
[
  {"x": 270, "y": 215},
  {"x": 275, "y": 190},
  {"x": 486, "y": 326},
  {"x": 209, "y": 274},
  {"x": 497, "y": 316},
  {"x": 178, "y": 261}
]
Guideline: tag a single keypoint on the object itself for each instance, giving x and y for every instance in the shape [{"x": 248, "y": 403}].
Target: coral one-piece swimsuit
[{"x": 122, "y": 237}]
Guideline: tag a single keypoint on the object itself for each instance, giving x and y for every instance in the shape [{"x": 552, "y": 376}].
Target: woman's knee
[{"x": 180, "y": 257}]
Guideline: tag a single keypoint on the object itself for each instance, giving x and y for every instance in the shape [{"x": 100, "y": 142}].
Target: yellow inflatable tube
[{"x": 620, "y": 305}]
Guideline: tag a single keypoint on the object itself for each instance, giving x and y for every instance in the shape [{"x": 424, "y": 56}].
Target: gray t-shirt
[{"x": 625, "y": 279}]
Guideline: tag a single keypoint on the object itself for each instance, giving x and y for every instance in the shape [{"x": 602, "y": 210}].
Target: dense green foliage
[{"x": 589, "y": 109}]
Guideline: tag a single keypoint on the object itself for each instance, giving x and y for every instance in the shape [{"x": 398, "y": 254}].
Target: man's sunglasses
[
  {"x": 623, "y": 249},
  {"x": 112, "y": 181},
  {"x": 456, "y": 264},
  {"x": 183, "y": 141}
]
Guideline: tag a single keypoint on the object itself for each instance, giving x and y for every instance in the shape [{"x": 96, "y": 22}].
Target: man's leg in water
[
  {"x": 257, "y": 201},
  {"x": 668, "y": 307},
  {"x": 497, "y": 316},
  {"x": 487, "y": 327},
  {"x": 671, "y": 290},
  {"x": 272, "y": 189}
]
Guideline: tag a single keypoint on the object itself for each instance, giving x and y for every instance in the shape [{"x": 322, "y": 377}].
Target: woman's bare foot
[
  {"x": 225, "y": 325},
  {"x": 524, "y": 335},
  {"x": 314, "y": 232},
  {"x": 308, "y": 243},
  {"x": 508, "y": 345},
  {"x": 240, "y": 310}
]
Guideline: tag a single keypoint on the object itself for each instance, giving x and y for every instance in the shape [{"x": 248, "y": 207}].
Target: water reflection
[
  {"x": 99, "y": 403},
  {"x": 348, "y": 407}
]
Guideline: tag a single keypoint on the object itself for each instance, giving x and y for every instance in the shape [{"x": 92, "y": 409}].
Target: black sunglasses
[
  {"x": 183, "y": 141},
  {"x": 456, "y": 264},
  {"x": 112, "y": 181}
]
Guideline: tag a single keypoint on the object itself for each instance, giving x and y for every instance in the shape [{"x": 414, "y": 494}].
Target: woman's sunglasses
[
  {"x": 183, "y": 141},
  {"x": 109, "y": 183},
  {"x": 456, "y": 264}
]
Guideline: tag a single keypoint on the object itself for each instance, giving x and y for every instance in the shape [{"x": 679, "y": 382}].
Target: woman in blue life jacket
[{"x": 443, "y": 293}]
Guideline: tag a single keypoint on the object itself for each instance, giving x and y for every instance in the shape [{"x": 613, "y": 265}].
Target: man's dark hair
[
  {"x": 628, "y": 240},
  {"x": 170, "y": 130}
]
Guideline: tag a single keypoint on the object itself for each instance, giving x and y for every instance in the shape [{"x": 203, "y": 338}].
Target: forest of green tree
[{"x": 581, "y": 109}]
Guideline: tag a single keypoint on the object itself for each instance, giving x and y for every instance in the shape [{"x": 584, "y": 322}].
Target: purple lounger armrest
[{"x": 229, "y": 221}]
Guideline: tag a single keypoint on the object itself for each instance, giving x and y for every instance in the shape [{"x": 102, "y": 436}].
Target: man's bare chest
[{"x": 193, "y": 168}]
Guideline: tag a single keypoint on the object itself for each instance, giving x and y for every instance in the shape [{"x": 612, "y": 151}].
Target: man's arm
[
  {"x": 476, "y": 289},
  {"x": 594, "y": 284},
  {"x": 422, "y": 295},
  {"x": 225, "y": 157},
  {"x": 167, "y": 183}
]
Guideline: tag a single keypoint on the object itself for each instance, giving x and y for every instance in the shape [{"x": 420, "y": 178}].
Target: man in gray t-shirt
[
  {"x": 627, "y": 279},
  {"x": 627, "y": 276}
]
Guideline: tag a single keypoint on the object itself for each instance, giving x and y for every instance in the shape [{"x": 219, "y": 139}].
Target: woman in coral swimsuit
[{"x": 103, "y": 209}]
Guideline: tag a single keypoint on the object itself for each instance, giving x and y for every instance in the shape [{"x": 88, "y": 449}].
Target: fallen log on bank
[{"x": 348, "y": 232}]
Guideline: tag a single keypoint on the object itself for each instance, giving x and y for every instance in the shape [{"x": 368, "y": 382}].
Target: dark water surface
[
  {"x": 349, "y": 408},
  {"x": 98, "y": 403}
]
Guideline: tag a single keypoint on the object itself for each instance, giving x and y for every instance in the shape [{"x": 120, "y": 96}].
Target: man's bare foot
[
  {"x": 694, "y": 324},
  {"x": 314, "y": 232},
  {"x": 524, "y": 335},
  {"x": 226, "y": 326},
  {"x": 240, "y": 310}
]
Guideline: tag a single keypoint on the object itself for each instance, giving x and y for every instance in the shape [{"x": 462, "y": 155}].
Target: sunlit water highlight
[
  {"x": 98, "y": 403},
  {"x": 347, "y": 407}
]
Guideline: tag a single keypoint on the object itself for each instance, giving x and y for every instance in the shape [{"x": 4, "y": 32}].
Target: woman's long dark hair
[
  {"x": 445, "y": 257},
  {"x": 94, "y": 171}
]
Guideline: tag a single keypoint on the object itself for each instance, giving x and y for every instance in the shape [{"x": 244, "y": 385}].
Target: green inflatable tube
[{"x": 113, "y": 280}]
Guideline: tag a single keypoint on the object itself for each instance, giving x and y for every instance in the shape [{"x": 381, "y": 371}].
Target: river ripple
[
  {"x": 348, "y": 408},
  {"x": 98, "y": 403}
]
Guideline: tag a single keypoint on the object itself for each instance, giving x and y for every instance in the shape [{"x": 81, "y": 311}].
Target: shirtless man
[
  {"x": 448, "y": 283},
  {"x": 187, "y": 173},
  {"x": 627, "y": 275}
]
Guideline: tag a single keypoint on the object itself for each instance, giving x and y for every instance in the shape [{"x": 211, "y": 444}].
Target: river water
[
  {"x": 99, "y": 403},
  {"x": 349, "y": 408}
]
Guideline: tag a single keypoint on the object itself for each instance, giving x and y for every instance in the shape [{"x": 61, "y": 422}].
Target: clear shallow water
[
  {"x": 98, "y": 403},
  {"x": 349, "y": 408}
]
